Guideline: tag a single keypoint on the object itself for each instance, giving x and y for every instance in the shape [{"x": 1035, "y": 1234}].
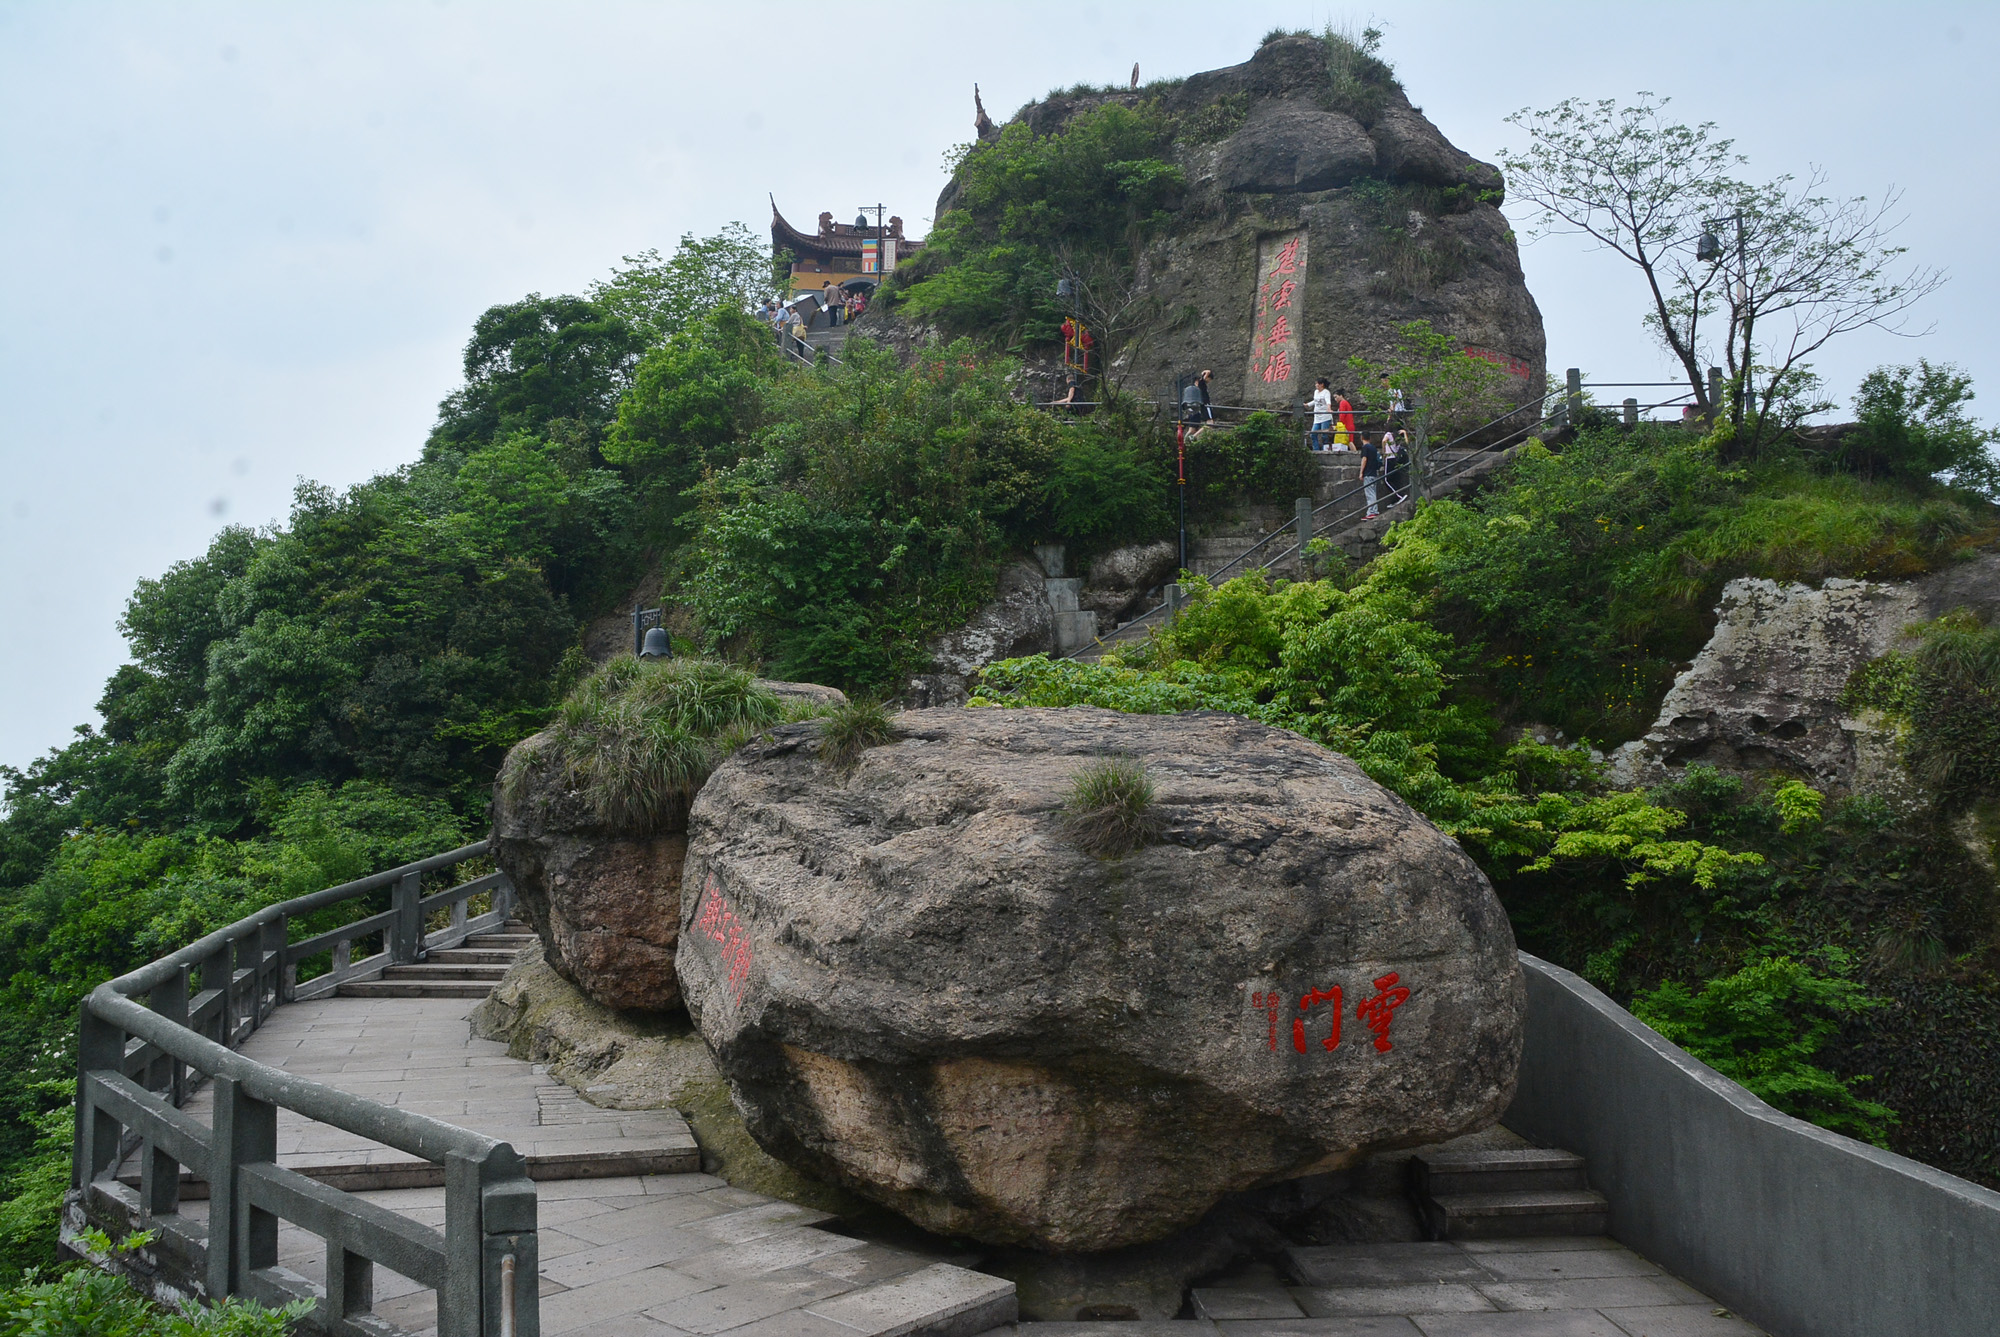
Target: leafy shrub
[
  {"x": 1912, "y": 423},
  {"x": 873, "y": 515},
  {"x": 1027, "y": 206},
  {"x": 851, "y": 728},
  {"x": 1104, "y": 491},
  {"x": 1109, "y": 810},
  {"x": 1258, "y": 461},
  {"x": 1761, "y": 1026},
  {"x": 640, "y": 737},
  {"x": 84, "y": 1302},
  {"x": 1587, "y": 577},
  {"x": 1954, "y": 711},
  {"x": 1215, "y": 120},
  {"x": 1358, "y": 80}
]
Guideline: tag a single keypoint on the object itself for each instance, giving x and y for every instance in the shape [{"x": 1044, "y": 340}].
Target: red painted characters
[
  {"x": 718, "y": 920},
  {"x": 1376, "y": 1012},
  {"x": 1275, "y": 334}
]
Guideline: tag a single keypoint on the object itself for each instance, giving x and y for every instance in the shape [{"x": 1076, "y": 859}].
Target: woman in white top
[{"x": 1322, "y": 413}]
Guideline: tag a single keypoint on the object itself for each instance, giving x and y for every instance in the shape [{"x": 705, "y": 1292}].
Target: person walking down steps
[{"x": 1371, "y": 472}]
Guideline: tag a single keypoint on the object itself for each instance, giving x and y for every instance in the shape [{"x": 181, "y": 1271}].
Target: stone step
[
  {"x": 474, "y": 956},
  {"x": 446, "y": 970},
  {"x": 416, "y": 989},
  {"x": 1485, "y": 1216},
  {"x": 1496, "y": 1170},
  {"x": 670, "y": 1151},
  {"x": 497, "y": 941}
]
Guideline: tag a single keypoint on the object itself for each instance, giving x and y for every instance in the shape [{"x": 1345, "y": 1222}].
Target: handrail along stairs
[{"x": 134, "y": 1066}]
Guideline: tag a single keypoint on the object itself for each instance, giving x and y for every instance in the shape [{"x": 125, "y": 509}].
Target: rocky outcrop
[
  {"x": 1764, "y": 695},
  {"x": 1124, "y": 579},
  {"x": 605, "y": 903},
  {"x": 920, "y": 987},
  {"x": 1036, "y": 609},
  {"x": 1398, "y": 225},
  {"x": 1293, "y": 146},
  {"x": 1016, "y": 621}
]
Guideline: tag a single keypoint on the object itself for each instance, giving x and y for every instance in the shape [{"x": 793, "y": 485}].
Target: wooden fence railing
[{"x": 138, "y": 1061}]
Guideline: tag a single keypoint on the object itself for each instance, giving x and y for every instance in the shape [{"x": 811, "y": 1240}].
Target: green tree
[
  {"x": 534, "y": 363},
  {"x": 1026, "y": 208},
  {"x": 693, "y": 406},
  {"x": 1762, "y": 1026},
  {"x": 660, "y": 296},
  {"x": 1913, "y": 424},
  {"x": 1811, "y": 268}
]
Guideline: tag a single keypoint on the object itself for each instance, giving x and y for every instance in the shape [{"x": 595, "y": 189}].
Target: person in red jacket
[{"x": 1344, "y": 415}]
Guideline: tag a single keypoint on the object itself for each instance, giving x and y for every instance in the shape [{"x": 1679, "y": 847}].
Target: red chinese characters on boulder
[
  {"x": 1375, "y": 1012},
  {"x": 718, "y": 920},
  {"x": 1275, "y": 336},
  {"x": 1312, "y": 999}
]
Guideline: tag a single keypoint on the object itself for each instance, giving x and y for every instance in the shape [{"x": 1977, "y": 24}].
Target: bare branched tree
[
  {"x": 1113, "y": 298},
  {"x": 1787, "y": 268}
]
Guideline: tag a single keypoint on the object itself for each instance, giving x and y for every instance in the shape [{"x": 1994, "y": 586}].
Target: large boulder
[
  {"x": 1396, "y": 224},
  {"x": 1288, "y": 146},
  {"x": 605, "y": 902},
  {"x": 922, "y": 988},
  {"x": 1765, "y": 695}
]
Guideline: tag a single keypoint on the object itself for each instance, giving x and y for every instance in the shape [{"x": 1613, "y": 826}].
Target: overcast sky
[{"x": 242, "y": 244}]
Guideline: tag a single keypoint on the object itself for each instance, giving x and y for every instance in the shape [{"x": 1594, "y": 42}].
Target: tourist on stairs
[
  {"x": 1322, "y": 414},
  {"x": 1371, "y": 472}
]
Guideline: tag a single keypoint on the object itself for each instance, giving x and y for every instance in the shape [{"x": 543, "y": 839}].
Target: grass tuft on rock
[
  {"x": 639, "y": 737},
  {"x": 852, "y": 728},
  {"x": 1110, "y": 810}
]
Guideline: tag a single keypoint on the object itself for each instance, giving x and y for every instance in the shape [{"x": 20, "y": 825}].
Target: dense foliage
[
  {"x": 1028, "y": 208},
  {"x": 83, "y": 1302},
  {"x": 1754, "y": 923}
]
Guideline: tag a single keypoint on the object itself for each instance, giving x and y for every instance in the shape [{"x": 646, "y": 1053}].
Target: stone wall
[{"x": 1805, "y": 1232}]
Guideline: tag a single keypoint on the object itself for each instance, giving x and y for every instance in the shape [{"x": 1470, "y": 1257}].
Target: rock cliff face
[
  {"x": 1395, "y": 224},
  {"x": 606, "y": 904},
  {"x": 921, "y": 988},
  {"x": 1764, "y": 694}
]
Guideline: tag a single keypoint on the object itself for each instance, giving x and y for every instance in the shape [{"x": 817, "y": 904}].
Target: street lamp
[{"x": 1708, "y": 250}]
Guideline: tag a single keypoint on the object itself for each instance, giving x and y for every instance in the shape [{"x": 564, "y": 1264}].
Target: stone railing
[
  {"x": 1804, "y": 1232},
  {"x": 137, "y": 1062}
]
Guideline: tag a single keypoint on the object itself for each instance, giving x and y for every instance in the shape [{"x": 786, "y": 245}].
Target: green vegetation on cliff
[{"x": 1755, "y": 923}]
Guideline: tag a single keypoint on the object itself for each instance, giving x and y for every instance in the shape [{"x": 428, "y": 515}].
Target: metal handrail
[{"x": 133, "y": 1067}]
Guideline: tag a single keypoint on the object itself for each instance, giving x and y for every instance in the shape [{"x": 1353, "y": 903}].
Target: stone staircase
[
  {"x": 470, "y": 971},
  {"x": 1505, "y": 1193}
]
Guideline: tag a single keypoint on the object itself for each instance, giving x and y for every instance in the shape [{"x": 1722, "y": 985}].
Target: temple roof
[{"x": 834, "y": 238}]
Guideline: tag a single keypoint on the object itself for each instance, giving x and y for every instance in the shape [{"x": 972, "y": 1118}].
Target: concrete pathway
[
  {"x": 419, "y": 1053},
  {"x": 1567, "y": 1286},
  {"x": 624, "y": 1252},
  {"x": 636, "y": 1243}
]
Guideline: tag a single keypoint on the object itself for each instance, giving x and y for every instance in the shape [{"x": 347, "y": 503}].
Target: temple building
[{"x": 857, "y": 256}]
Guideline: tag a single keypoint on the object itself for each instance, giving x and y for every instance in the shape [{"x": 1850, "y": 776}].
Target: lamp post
[{"x": 1709, "y": 250}]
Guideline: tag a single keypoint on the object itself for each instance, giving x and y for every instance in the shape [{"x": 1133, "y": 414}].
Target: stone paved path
[
  {"x": 1569, "y": 1286},
  {"x": 419, "y": 1053},
  {"x": 675, "y": 1254},
  {"x": 636, "y": 1243}
]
